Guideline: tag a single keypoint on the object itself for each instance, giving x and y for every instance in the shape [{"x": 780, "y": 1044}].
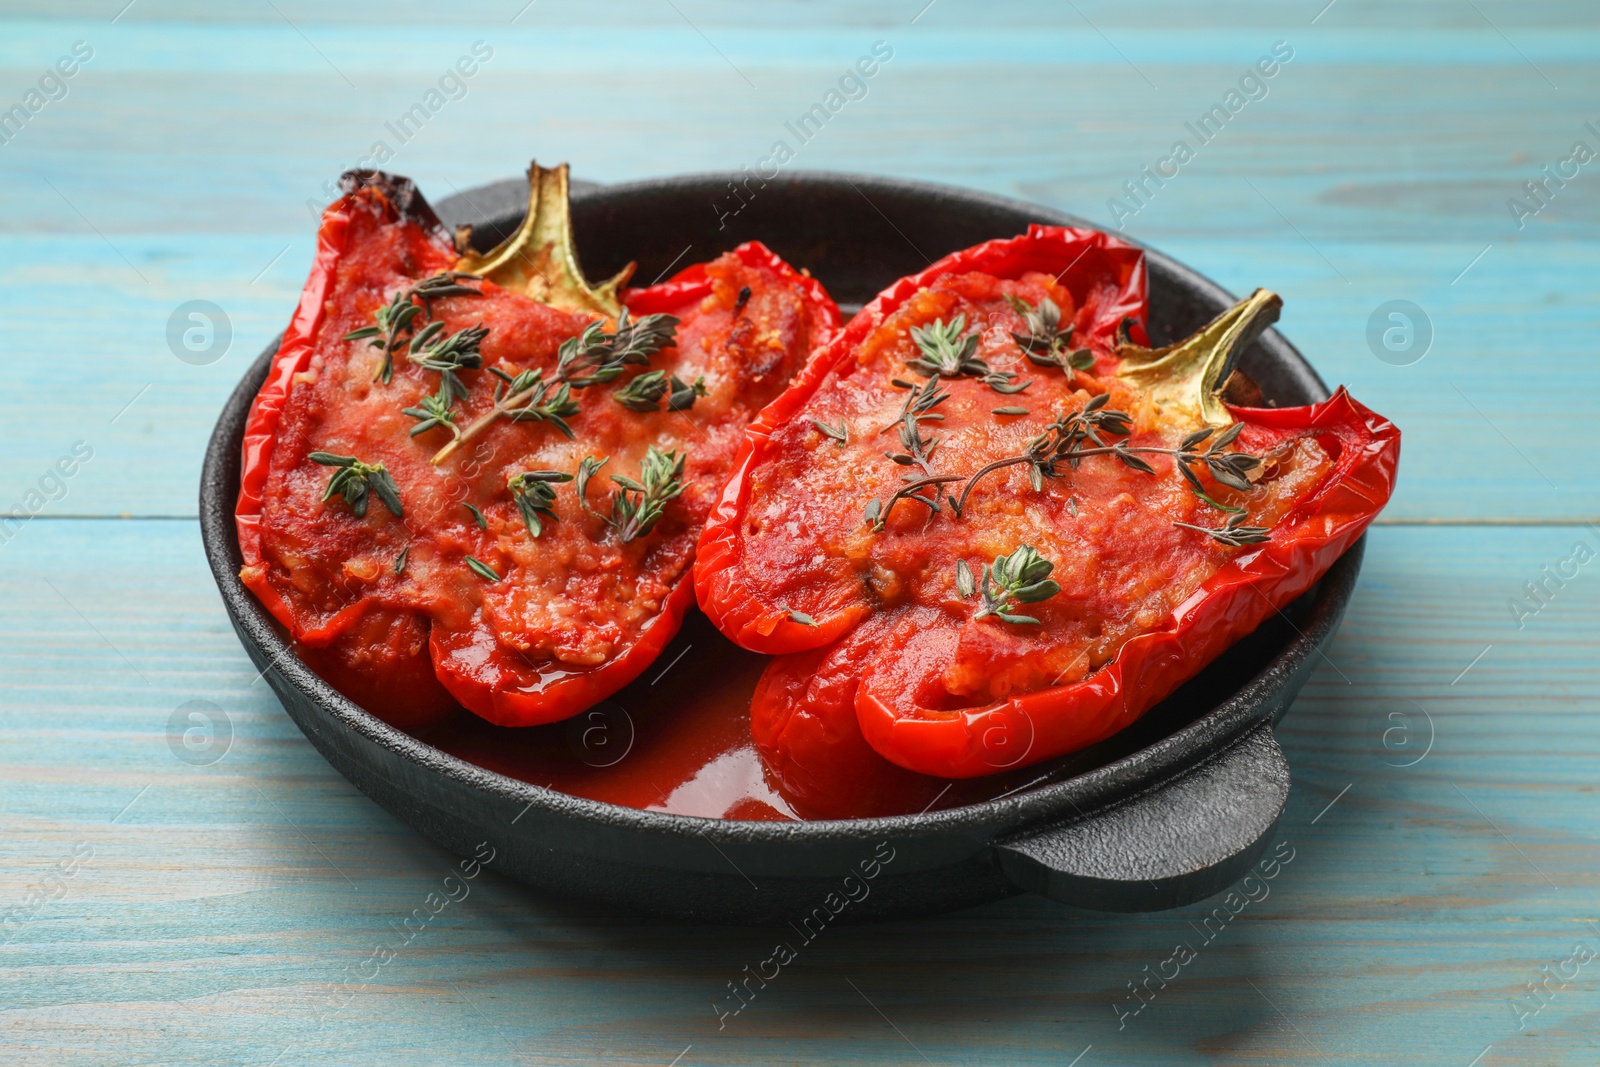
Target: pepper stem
[
  {"x": 1187, "y": 378},
  {"x": 540, "y": 260}
]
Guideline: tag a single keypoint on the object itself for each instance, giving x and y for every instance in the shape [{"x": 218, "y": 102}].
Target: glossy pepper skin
[
  {"x": 863, "y": 704},
  {"x": 385, "y": 606}
]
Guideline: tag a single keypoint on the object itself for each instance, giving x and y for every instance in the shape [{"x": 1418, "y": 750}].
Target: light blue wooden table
[{"x": 162, "y": 910}]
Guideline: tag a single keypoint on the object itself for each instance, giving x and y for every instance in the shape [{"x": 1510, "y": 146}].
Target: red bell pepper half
[
  {"x": 480, "y": 478},
  {"x": 986, "y": 528}
]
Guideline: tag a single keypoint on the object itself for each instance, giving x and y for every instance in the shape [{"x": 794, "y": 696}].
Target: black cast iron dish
[{"x": 1170, "y": 811}]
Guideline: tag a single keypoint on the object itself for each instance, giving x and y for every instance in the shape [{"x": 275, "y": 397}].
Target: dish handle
[{"x": 1180, "y": 842}]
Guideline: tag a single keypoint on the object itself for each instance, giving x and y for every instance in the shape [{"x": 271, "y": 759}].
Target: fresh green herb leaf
[
  {"x": 1129, "y": 458},
  {"x": 948, "y": 351},
  {"x": 1046, "y": 343},
  {"x": 1219, "y": 505},
  {"x": 435, "y": 410},
  {"x": 1233, "y": 533},
  {"x": 398, "y": 317},
  {"x": 588, "y": 467},
  {"x": 801, "y": 617},
  {"x": 595, "y": 357},
  {"x": 383, "y": 485},
  {"x": 524, "y": 397},
  {"x": 1010, "y": 581},
  {"x": 477, "y": 516},
  {"x": 535, "y": 496},
  {"x": 1062, "y": 447},
  {"x": 919, "y": 450},
  {"x": 684, "y": 394},
  {"x": 445, "y": 283},
  {"x": 482, "y": 569},
  {"x": 353, "y": 479},
  {"x": 1009, "y": 411},
  {"x": 400, "y": 560},
  {"x": 542, "y": 402},
  {"x": 636, "y": 506},
  {"x": 644, "y": 392},
  {"x": 448, "y": 353}
]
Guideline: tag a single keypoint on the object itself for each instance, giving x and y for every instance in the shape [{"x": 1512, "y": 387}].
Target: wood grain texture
[{"x": 221, "y": 912}]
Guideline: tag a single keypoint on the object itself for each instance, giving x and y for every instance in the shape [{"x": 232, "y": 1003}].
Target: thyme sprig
[
  {"x": 683, "y": 394},
  {"x": 1061, "y": 447},
  {"x": 588, "y": 467},
  {"x": 604, "y": 355},
  {"x": 1233, "y": 533},
  {"x": 645, "y": 391},
  {"x": 1046, "y": 344},
  {"x": 434, "y": 410},
  {"x": 535, "y": 496},
  {"x": 1232, "y": 469},
  {"x": 878, "y": 511},
  {"x": 919, "y": 450},
  {"x": 948, "y": 351},
  {"x": 919, "y": 402},
  {"x": 397, "y": 318},
  {"x": 353, "y": 479},
  {"x": 448, "y": 353},
  {"x": 636, "y": 506},
  {"x": 1023, "y": 577},
  {"x": 524, "y": 397},
  {"x": 542, "y": 401},
  {"x": 591, "y": 358}
]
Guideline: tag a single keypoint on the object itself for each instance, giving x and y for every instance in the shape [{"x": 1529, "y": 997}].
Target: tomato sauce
[{"x": 678, "y": 740}]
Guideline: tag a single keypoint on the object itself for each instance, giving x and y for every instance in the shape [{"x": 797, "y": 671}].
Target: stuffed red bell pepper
[
  {"x": 479, "y": 478},
  {"x": 986, "y": 528}
]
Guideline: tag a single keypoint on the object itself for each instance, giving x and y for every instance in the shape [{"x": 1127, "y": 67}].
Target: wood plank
[
  {"x": 226, "y": 903},
  {"x": 224, "y": 907},
  {"x": 1525, "y": 426},
  {"x": 219, "y": 213}
]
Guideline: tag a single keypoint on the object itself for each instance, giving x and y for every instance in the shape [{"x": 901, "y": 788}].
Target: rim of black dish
[{"x": 1081, "y": 795}]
